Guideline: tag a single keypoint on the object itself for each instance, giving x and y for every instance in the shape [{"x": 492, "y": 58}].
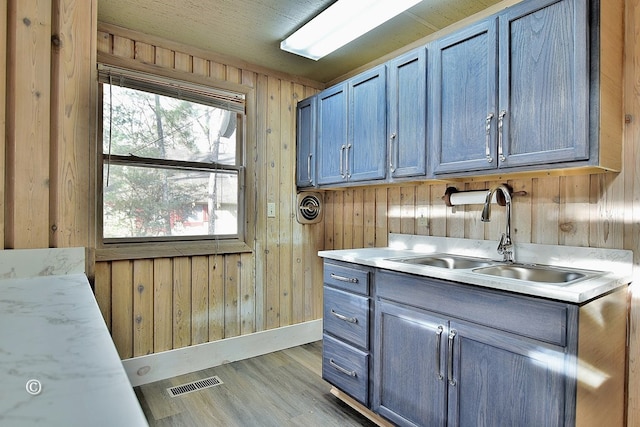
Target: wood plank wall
[
  {"x": 49, "y": 50},
  {"x": 159, "y": 304},
  {"x": 156, "y": 304}
]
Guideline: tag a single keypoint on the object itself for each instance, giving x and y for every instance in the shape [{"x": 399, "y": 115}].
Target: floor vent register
[{"x": 194, "y": 386}]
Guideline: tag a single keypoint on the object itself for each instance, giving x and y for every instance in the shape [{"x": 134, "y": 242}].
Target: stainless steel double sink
[{"x": 527, "y": 272}]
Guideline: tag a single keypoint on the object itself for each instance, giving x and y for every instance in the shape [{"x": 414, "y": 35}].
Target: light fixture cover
[{"x": 340, "y": 23}]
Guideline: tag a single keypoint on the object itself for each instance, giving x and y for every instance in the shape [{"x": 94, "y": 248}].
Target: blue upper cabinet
[
  {"x": 306, "y": 142},
  {"x": 332, "y": 134},
  {"x": 366, "y": 151},
  {"x": 544, "y": 83},
  {"x": 463, "y": 99},
  {"x": 407, "y": 114},
  {"x": 516, "y": 95},
  {"x": 351, "y": 131}
]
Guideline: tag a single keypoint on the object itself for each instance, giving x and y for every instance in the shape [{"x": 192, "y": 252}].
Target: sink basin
[
  {"x": 444, "y": 261},
  {"x": 533, "y": 273}
]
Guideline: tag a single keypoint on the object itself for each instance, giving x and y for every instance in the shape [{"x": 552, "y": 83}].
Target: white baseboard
[{"x": 158, "y": 366}]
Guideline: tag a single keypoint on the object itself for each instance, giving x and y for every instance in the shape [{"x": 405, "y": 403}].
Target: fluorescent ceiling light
[{"x": 340, "y": 23}]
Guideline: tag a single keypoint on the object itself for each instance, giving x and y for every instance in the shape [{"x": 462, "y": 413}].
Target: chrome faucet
[{"x": 505, "y": 247}]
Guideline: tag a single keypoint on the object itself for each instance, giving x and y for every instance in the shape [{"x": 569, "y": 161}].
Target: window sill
[{"x": 129, "y": 251}]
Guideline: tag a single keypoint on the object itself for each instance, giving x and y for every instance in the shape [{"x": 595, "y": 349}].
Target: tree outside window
[{"x": 171, "y": 166}]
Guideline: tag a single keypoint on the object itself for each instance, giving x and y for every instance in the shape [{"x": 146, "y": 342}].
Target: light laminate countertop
[
  {"x": 58, "y": 364},
  {"x": 612, "y": 267}
]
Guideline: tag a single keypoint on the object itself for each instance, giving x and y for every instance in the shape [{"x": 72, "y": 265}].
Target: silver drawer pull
[
  {"x": 438, "y": 344},
  {"x": 487, "y": 142},
  {"x": 345, "y": 318},
  {"x": 452, "y": 381},
  {"x": 341, "y": 369},
  {"x": 344, "y": 279},
  {"x": 500, "y": 135}
]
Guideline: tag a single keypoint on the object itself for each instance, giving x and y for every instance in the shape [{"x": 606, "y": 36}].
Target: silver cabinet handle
[
  {"x": 342, "y": 174},
  {"x": 343, "y": 317},
  {"x": 487, "y": 141},
  {"x": 344, "y": 279},
  {"x": 438, "y": 345},
  {"x": 309, "y": 168},
  {"x": 393, "y": 154},
  {"x": 341, "y": 369},
  {"x": 346, "y": 161},
  {"x": 452, "y": 381},
  {"x": 500, "y": 136}
]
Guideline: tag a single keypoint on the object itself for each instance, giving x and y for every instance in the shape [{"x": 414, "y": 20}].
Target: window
[{"x": 172, "y": 164}]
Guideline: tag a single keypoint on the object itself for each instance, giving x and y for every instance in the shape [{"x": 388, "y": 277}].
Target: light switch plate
[{"x": 271, "y": 210}]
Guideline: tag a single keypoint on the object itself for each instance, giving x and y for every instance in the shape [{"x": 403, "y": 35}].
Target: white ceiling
[{"x": 251, "y": 30}]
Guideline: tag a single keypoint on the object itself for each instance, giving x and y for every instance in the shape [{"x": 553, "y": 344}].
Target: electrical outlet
[{"x": 271, "y": 210}]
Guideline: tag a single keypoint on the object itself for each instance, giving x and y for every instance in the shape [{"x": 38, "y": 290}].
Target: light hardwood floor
[{"x": 284, "y": 388}]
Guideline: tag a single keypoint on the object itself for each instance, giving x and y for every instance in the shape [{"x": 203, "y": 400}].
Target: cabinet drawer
[
  {"x": 530, "y": 317},
  {"x": 347, "y": 278},
  {"x": 346, "y": 367},
  {"x": 346, "y": 316}
]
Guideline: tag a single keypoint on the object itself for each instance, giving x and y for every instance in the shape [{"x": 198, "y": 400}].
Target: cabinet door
[
  {"x": 332, "y": 134},
  {"x": 367, "y": 147},
  {"x": 409, "y": 364},
  {"x": 407, "y": 114},
  {"x": 305, "y": 142},
  {"x": 463, "y": 99},
  {"x": 544, "y": 82},
  {"x": 500, "y": 379}
]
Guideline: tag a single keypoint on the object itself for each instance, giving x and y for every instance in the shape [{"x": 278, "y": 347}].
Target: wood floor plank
[{"x": 283, "y": 388}]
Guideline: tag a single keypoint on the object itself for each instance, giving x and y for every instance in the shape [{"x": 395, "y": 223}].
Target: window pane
[
  {"x": 149, "y": 125},
  {"x": 151, "y": 202}
]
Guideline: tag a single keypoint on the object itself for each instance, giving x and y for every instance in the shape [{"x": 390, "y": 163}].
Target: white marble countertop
[
  {"x": 613, "y": 267},
  {"x": 52, "y": 331}
]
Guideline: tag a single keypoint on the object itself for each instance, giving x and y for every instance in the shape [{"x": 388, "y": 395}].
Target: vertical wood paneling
[
  {"x": 438, "y": 211},
  {"x": 347, "y": 215},
  {"x": 247, "y": 292},
  {"x": 231, "y": 292},
  {"x": 273, "y": 196},
  {"x": 393, "y": 203},
  {"x": 3, "y": 111},
  {"x": 162, "y": 304},
  {"x": 142, "y": 307},
  {"x": 357, "y": 240},
  {"x": 545, "y": 210},
  {"x": 216, "y": 297},
  {"x": 123, "y": 47},
  {"x": 199, "y": 299},
  {"x": 28, "y": 124},
  {"x": 71, "y": 180},
  {"x": 423, "y": 194},
  {"x": 607, "y": 192},
  {"x": 260, "y": 213},
  {"x": 407, "y": 210},
  {"x": 369, "y": 218},
  {"x": 104, "y": 42},
  {"x": 183, "y": 62},
  {"x": 144, "y": 52},
  {"x": 474, "y": 228},
  {"x": 122, "y": 307},
  {"x": 521, "y": 220},
  {"x": 181, "y": 302},
  {"x": 103, "y": 290},
  {"x": 330, "y": 208},
  {"x": 286, "y": 200},
  {"x": 573, "y": 221}
]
